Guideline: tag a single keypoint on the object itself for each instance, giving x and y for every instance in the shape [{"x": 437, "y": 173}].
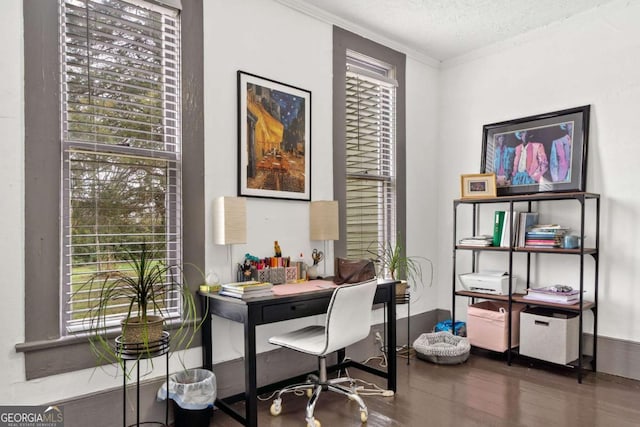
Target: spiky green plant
[
  {"x": 143, "y": 287},
  {"x": 391, "y": 257}
]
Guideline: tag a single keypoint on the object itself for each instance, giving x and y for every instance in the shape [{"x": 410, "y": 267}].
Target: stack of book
[
  {"x": 555, "y": 294},
  {"x": 481, "y": 240},
  {"x": 545, "y": 236},
  {"x": 244, "y": 290}
]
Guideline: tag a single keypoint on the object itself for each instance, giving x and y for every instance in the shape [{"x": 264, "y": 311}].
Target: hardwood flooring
[{"x": 484, "y": 391}]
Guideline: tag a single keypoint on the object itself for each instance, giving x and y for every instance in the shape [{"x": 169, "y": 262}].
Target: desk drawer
[{"x": 294, "y": 310}]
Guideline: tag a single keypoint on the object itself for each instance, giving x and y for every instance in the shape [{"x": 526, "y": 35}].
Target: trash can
[{"x": 193, "y": 392}]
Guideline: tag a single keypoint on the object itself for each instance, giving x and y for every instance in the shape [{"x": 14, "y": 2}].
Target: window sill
[{"x": 67, "y": 354}]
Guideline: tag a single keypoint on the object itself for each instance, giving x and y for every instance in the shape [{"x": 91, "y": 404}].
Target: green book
[{"x": 498, "y": 224}]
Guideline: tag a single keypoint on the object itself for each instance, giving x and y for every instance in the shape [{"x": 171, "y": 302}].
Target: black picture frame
[
  {"x": 274, "y": 139},
  {"x": 555, "y": 152}
]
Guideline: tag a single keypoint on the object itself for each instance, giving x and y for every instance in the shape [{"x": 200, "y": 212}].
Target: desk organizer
[{"x": 275, "y": 275}]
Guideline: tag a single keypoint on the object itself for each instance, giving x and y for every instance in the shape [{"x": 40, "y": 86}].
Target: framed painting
[
  {"x": 274, "y": 139},
  {"x": 543, "y": 153},
  {"x": 478, "y": 185}
]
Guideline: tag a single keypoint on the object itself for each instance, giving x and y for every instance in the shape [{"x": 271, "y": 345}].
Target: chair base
[{"x": 313, "y": 387}]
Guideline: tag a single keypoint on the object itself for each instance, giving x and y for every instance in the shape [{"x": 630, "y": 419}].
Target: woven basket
[{"x": 136, "y": 332}]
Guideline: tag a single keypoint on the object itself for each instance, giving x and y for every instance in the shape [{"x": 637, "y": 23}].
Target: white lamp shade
[
  {"x": 323, "y": 220},
  {"x": 229, "y": 220}
]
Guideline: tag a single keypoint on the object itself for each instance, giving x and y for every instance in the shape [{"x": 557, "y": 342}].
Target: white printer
[{"x": 489, "y": 282}]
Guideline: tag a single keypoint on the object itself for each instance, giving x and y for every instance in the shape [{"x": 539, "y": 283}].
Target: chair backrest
[{"x": 349, "y": 314}]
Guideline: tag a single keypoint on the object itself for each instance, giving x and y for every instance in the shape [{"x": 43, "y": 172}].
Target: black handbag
[{"x": 353, "y": 270}]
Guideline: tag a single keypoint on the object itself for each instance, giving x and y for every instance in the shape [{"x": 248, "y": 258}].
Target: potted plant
[
  {"x": 142, "y": 290},
  {"x": 395, "y": 264}
]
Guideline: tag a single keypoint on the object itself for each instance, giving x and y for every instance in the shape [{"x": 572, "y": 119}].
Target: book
[
  {"x": 509, "y": 221},
  {"x": 246, "y": 287},
  {"x": 246, "y": 295},
  {"x": 527, "y": 220},
  {"x": 498, "y": 223},
  {"x": 553, "y": 294},
  {"x": 481, "y": 240},
  {"x": 545, "y": 235}
]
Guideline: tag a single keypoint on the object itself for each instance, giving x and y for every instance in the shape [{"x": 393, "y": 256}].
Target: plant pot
[
  {"x": 136, "y": 332},
  {"x": 402, "y": 294}
]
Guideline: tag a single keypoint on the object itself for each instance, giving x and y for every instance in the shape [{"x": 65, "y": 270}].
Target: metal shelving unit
[{"x": 583, "y": 305}]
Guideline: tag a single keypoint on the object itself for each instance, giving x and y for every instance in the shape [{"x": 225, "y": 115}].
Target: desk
[{"x": 260, "y": 311}]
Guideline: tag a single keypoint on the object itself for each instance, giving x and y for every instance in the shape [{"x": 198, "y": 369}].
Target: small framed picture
[{"x": 479, "y": 185}]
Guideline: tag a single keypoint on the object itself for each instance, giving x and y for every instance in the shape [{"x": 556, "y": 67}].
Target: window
[
  {"x": 121, "y": 159},
  {"x": 368, "y": 145},
  {"x": 96, "y": 148},
  {"x": 370, "y": 93}
]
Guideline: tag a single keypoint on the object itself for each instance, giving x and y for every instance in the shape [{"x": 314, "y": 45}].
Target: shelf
[
  {"x": 587, "y": 360},
  {"x": 529, "y": 249},
  {"x": 586, "y": 305},
  {"x": 530, "y": 198}
]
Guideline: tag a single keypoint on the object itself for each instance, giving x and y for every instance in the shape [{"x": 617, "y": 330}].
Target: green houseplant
[
  {"x": 142, "y": 291},
  {"x": 395, "y": 264}
]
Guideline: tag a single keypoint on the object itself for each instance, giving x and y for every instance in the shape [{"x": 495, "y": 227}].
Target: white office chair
[{"x": 348, "y": 321}]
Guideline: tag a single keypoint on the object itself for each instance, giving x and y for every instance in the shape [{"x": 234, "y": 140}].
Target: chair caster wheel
[
  {"x": 276, "y": 407},
  {"x": 309, "y": 393},
  {"x": 364, "y": 416},
  {"x": 316, "y": 423}
]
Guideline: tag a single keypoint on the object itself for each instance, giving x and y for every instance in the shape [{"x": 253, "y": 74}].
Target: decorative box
[{"x": 550, "y": 335}]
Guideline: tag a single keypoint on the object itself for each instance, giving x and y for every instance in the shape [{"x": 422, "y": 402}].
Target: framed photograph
[
  {"x": 543, "y": 153},
  {"x": 479, "y": 185},
  {"x": 274, "y": 139}
]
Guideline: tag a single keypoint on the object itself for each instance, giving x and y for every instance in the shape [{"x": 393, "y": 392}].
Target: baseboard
[
  {"x": 616, "y": 357},
  {"x": 104, "y": 409}
]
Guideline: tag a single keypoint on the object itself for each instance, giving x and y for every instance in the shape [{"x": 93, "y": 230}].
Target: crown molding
[{"x": 329, "y": 18}]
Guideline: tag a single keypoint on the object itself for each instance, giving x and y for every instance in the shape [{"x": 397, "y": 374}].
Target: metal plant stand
[{"x": 137, "y": 352}]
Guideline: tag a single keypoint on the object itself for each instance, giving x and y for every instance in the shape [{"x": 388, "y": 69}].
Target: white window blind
[
  {"x": 120, "y": 91},
  {"x": 370, "y": 156}
]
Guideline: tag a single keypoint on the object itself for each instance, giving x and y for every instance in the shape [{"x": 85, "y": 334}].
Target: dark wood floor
[{"x": 484, "y": 391}]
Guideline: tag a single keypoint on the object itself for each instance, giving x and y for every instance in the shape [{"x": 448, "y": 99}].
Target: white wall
[
  {"x": 273, "y": 41},
  {"x": 260, "y": 37},
  {"x": 593, "y": 58}
]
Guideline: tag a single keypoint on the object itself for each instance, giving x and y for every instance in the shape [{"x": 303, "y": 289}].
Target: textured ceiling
[{"x": 445, "y": 29}]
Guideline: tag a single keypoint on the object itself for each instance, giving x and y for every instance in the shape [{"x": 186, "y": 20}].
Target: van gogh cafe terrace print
[
  {"x": 274, "y": 147},
  {"x": 544, "y": 153}
]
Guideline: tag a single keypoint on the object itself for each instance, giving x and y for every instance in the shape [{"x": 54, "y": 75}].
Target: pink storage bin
[{"x": 487, "y": 324}]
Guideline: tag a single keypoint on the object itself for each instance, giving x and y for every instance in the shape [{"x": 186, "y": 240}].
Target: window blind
[
  {"x": 121, "y": 167},
  {"x": 370, "y": 156}
]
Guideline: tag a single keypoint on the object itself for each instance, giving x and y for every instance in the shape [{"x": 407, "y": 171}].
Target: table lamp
[
  {"x": 324, "y": 224},
  {"x": 230, "y": 224}
]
